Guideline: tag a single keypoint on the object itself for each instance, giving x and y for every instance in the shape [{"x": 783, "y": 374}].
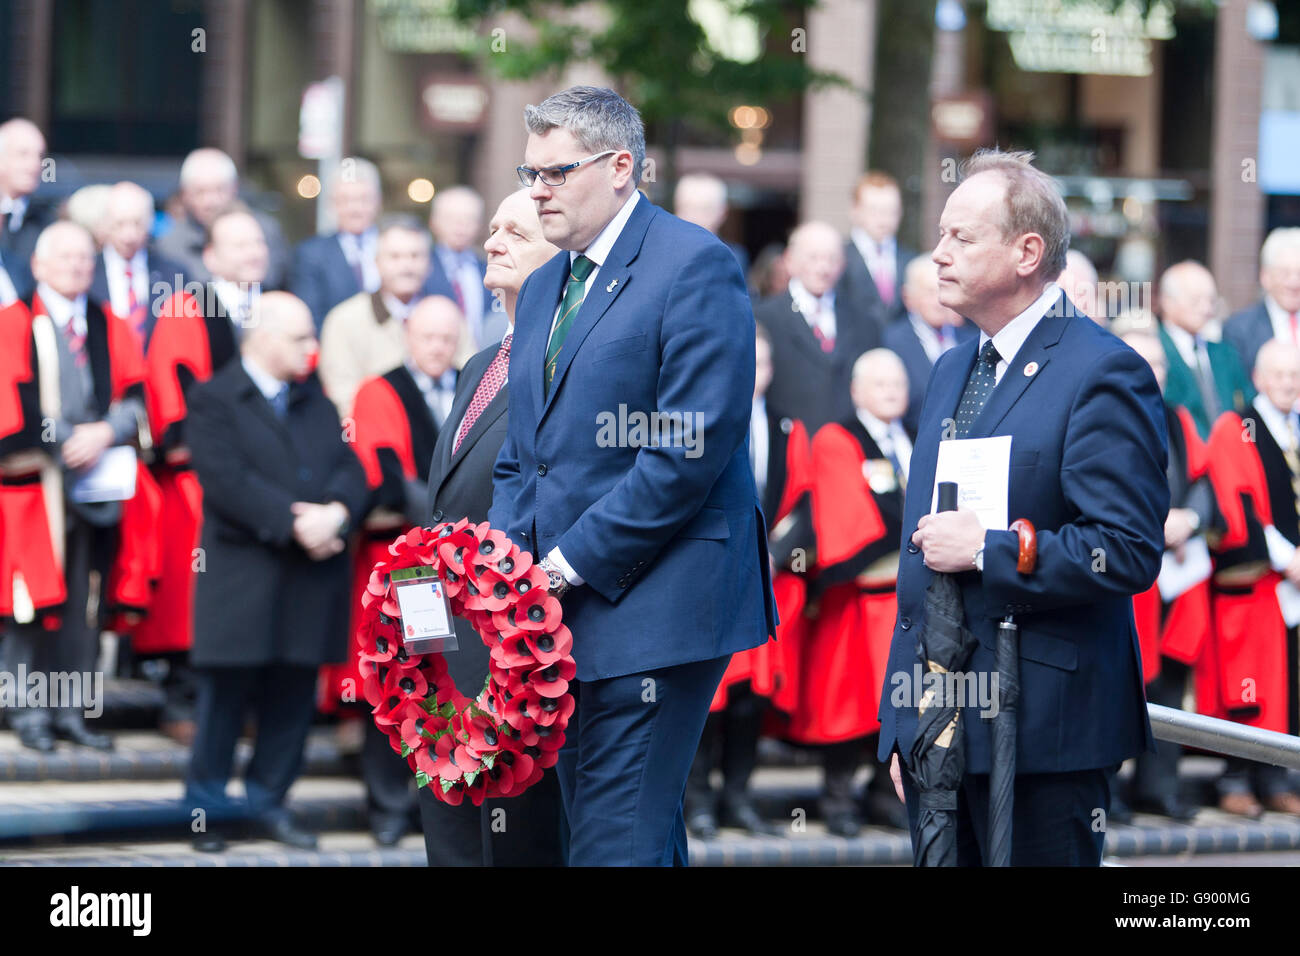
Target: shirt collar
[
  {"x": 809, "y": 303},
  {"x": 266, "y": 383},
  {"x": 397, "y": 309},
  {"x": 61, "y": 309},
  {"x": 1184, "y": 341},
  {"x": 113, "y": 259},
  {"x": 1275, "y": 420},
  {"x": 877, "y": 428},
  {"x": 446, "y": 381},
  {"x": 231, "y": 296},
  {"x": 869, "y": 247},
  {"x": 599, "y": 248},
  {"x": 1280, "y": 318},
  {"x": 1012, "y": 336}
]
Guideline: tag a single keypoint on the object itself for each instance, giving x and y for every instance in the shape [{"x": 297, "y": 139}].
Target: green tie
[{"x": 573, "y": 294}]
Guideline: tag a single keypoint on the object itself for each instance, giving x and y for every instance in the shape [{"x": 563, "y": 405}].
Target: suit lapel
[
  {"x": 945, "y": 390},
  {"x": 525, "y": 361},
  {"x": 609, "y": 284},
  {"x": 494, "y": 410},
  {"x": 1015, "y": 379},
  {"x": 424, "y": 430}
]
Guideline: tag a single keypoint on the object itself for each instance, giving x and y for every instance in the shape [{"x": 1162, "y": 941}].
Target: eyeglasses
[{"x": 554, "y": 176}]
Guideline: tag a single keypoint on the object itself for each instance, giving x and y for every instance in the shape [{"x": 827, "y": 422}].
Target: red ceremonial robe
[
  {"x": 857, "y": 514},
  {"x": 771, "y": 669},
  {"x": 31, "y": 482},
  {"x": 187, "y": 346},
  {"x": 1242, "y": 672},
  {"x": 394, "y": 438},
  {"x": 1180, "y": 632}
]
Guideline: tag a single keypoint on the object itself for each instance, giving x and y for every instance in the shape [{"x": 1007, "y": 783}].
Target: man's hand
[
  {"x": 949, "y": 540},
  {"x": 896, "y": 775},
  {"x": 86, "y": 444},
  {"x": 1178, "y": 527},
  {"x": 316, "y": 527},
  {"x": 1293, "y": 569}
]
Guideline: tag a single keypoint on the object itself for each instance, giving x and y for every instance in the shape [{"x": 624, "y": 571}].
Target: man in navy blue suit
[
  {"x": 1087, "y": 468},
  {"x": 625, "y": 469},
  {"x": 328, "y": 269}
]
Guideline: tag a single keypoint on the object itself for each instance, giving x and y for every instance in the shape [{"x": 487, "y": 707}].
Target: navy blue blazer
[
  {"x": 1246, "y": 331},
  {"x": 321, "y": 275},
  {"x": 1088, "y": 458},
  {"x": 670, "y": 539},
  {"x": 900, "y": 338}
]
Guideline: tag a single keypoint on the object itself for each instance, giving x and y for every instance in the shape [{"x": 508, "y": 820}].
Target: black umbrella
[
  {"x": 937, "y": 758},
  {"x": 1002, "y": 771}
]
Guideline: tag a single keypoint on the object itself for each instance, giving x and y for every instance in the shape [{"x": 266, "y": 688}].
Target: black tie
[{"x": 978, "y": 388}]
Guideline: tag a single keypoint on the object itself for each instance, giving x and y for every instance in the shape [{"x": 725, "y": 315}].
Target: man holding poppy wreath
[{"x": 655, "y": 544}]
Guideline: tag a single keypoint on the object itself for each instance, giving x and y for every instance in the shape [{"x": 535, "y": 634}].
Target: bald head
[
  {"x": 880, "y": 384},
  {"x": 456, "y": 218},
  {"x": 128, "y": 217},
  {"x": 1147, "y": 345},
  {"x": 280, "y": 338},
  {"x": 22, "y": 147},
  {"x": 1189, "y": 297},
  {"x": 1277, "y": 374},
  {"x": 702, "y": 199},
  {"x": 815, "y": 256},
  {"x": 921, "y": 293},
  {"x": 209, "y": 183},
  {"x": 433, "y": 331},
  {"x": 64, "y": 258}
]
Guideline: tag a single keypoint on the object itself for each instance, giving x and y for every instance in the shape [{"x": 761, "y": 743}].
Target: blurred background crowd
[{"x": 361, "y": 156}]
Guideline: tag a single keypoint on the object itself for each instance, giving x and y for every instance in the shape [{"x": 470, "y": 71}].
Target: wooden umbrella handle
[{"x": 1028, "y": 558}]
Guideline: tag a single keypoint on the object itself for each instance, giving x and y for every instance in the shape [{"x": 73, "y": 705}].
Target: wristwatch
[
  {"x": 554, "y": 578},
  {"x": 978, "y": 560}
]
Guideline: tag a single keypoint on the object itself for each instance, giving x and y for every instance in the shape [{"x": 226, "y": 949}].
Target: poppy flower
[
  {"x": 537, "y": 611},
  {"x": 455, "y": 548},
  {"x": 378, "y": 644},
  {"x": 549, "y": 648},
  {"x": 513, "y": 564},
  {"x": 483, "y": 735},
  {"x": 553, "y": 679},
  {"x": 494, "y": 592},
  {"x": 513, "y": 654},
  {"x": 445, "y": 764},
  {"x": 554, "y": 710},
  {"x": 406, "y": 681}
]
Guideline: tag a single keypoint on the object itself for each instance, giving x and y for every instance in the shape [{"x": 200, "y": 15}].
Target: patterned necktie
[
  {"x": 978, "y": 388},
  {"x": 487, "y": 389},
  {"x": 884, "y": 281},
  {"x": 574, "y": 293},
  {"x": 1205, "y": 379},
  {"x": 76, "y": 342},
  {"x": 134, "y": 314}
]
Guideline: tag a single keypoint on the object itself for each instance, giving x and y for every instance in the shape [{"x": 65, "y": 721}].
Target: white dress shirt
[
  {"x": 1281, "y": 320},
  {"x": 438, "y": 393},
  {"x": 398, "y": 309},
  {"x": 1186, "y": 344},
  {"x": 237, "y": 302},
  {"x": 818, "y": 311},
  {"x": 115, "y": 271},
  {"x": 597, "y": 251},
  {"x": 62, "y": 310},
  {"x": 758, "y": 444},
  {"x": 14, "y": 211},
  {"x": 890, "y": 437},
  {"x": 1279, "y": 425},
  {"x": 1012, "y": 335},
  {"x": 266, "y": 383},
  {"x": 360, "y": 250}
]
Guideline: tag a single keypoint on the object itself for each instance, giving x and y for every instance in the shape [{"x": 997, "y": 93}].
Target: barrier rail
[{"x": 1224, "y": 737}]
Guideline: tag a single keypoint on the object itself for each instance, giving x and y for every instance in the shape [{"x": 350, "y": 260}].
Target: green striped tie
[{"x": 573, "y": 295}]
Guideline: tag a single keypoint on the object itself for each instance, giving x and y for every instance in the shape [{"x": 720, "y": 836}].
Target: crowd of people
[{"x": 363, "y": 368}]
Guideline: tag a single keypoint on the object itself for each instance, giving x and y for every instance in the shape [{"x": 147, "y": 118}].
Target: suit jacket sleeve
[
  {"x": 304, "y": 281},
  {"x": 1114, "y": 482},
  {"x": 232, "y": 488},
  {"x": 707, "y": 371}
]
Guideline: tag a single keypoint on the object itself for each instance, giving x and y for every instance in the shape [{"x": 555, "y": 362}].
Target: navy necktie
[{"x": 978, "y": 388}]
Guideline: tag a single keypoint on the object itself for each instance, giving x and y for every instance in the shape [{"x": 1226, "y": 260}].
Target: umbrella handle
[{"x": 1027, "y": 560}]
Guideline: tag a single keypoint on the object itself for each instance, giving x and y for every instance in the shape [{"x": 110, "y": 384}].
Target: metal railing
[{"x": 1224, "y": 737}]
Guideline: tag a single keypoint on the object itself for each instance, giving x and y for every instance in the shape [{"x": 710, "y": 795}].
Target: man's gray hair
[
  {"x": 598, "y": 118},
  {"x": 1034, "y": 203},
  {"x": 1279, "y": 241},
  {"x": 402, "y": 222},
  {"x": 354, "y": 169}
]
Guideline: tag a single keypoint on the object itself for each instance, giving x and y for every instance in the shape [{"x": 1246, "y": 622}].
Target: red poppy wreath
[{"x": 499, "y": 743}]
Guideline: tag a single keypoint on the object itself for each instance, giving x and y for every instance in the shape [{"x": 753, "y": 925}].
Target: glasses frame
[{"x": 529, "y": 176}]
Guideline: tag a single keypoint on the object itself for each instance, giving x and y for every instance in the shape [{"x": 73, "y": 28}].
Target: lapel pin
[
  {"x": 1030, "y": 369},
  {"x": 612, "y": 283}
]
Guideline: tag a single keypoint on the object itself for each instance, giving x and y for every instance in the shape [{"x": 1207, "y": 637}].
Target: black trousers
[
  {"x": 729, "y": 742},
  {"x": 390, "y": 785},
  {"x": 74, "y": 647},
  {"x": 526, "y": 830},
  {"x": 1055, "y": 821},
  {"x": 282, "y": 697}
]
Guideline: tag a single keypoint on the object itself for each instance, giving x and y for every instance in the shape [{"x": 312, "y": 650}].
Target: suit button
[
  {"x": 905, "y": 623},
  {"x": 437, "y": 516},
  {"x": 911, "y": 548},
  {"x": 541, "y": 469}
]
